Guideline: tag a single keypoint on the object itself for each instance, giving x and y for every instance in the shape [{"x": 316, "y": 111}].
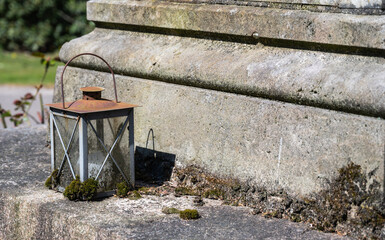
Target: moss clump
[
  {"x": 72, "y": 191},
  {"x": 189, "y": 214},
  {"x": 295, "y": 217},
  {"x": 134, "y": 195},
  {"x": 185, "y": 191},
  {"x": 272, "y": 214},
  {"x": 89, "y": 188},
  {"x": 167, "y": 210},
  {"x": 52, "y": 181},
  {"x": 368, "y": 216},
  {"x": 81, "y": 191},
  {"x": 214, "y": 194},
  {"x": 122, "y": 189}
]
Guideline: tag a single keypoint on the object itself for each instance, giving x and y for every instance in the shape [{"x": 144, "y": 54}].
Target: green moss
[
  {"x": 122, "y": 189},
  {"x": 214, "y": 194},
  {"x": 351, "y": 199},
  {"x": 185, "y": 191},
  {"x": 189, "y": 214},
  {"x": 48, "y": 182},
  {"x": 89, "y": 188},
  {"x": 81, "y": 191},
  {"x": 52, "y": 180},
  {"x": 167, "y": 210},
  {"x": 72, "y": 191},
  {"x": 134, "y": 195},
  {"x": 272, "y": 214},
  {"x": 295, "y": 217},
  {"x": 370, "y": 216},
  {"x": 144, "y": 189},
  {"x": 236, "y": 187}
]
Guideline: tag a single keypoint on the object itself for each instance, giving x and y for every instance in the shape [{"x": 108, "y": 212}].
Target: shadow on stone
[{"x": 153, "y": 166}]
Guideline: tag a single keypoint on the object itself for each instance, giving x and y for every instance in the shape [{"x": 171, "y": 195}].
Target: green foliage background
[{"x": 41, "y": 25}]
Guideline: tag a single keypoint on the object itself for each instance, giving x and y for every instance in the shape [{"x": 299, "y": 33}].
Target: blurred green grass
[{"x": 24, "y": 69}]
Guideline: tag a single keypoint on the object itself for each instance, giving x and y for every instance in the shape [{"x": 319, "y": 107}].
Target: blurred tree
[{"x": 41, "y": 25}]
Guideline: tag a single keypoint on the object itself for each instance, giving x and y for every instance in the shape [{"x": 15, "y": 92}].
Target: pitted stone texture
[
  {"x": 335, "y": 81},
  {"x": 271, "y": 143},
  {"x": 327, "y": 28},
  {"x": 29, "y": 211},
  {"x": 19, "y": 149},
  {"x": 330, "y": 3}
]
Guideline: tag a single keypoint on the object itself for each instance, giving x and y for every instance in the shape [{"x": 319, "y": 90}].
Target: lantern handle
[{"x": 81, "y": 54}]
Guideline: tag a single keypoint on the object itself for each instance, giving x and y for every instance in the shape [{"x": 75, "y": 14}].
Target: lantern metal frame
[{"x": 83, "y": 117}]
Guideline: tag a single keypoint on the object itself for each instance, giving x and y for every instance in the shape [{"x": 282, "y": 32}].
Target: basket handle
[{"x": 92, "y": 54}]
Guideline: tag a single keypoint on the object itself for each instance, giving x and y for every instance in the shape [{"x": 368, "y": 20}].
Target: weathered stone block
[
  {"x": 336, "y": 81},
  {"x": 306, "y": 26},
  {"x": 270, "y": 143}
]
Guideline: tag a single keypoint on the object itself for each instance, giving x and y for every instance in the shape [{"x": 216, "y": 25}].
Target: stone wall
[{"x": 278, "y": 97}]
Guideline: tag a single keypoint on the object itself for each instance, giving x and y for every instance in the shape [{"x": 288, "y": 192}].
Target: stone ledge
[
  {"x": 363, "y": 7},
  {"x": 28, "y": 211},
  {"x": 334, "y": 81},
  {"x": 322, "y": 3},
  {"x": 297, "y": 25}
]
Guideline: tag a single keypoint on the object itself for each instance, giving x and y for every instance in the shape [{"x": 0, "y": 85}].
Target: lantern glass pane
[
  {"x": 66, "y": 126},
  {"x": 108, "y": 130}
]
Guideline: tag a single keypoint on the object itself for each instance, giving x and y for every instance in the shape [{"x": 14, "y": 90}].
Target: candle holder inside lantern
[{"x": 88, "y": 138}]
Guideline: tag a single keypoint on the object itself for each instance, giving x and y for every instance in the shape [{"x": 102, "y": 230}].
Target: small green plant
[
  {"x": 189, "y": 214},
  {"x": 52, "y": 180},
  {"x": 185, "y": 191},
  {"x": 167, "y": 210},
  {"x": 122, "y": 189},
  {"x": 81, "y": 191},
  {"x": 24, "y": 103},
  {"x": 134, "y": 195},
  {"x": 144, "y": 189},
  {"x": 214, "y": 194}
]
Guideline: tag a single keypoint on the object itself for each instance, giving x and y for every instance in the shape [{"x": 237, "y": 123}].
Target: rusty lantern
[{"x": 79, "y": 130}]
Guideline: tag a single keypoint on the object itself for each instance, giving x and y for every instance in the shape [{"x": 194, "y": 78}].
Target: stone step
[{"x": 29, "y": 211}]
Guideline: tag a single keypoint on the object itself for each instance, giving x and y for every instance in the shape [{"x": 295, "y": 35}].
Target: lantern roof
[
  {"x": 92, "y": 101},
  {"x": 82, "y": 106}
]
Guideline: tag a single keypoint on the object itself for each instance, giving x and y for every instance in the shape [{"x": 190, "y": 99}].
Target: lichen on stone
[
  {"x": 53, "y": 180},
  {"x": 189, "y": 214},
  {"x": 348, "y": 203}
]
